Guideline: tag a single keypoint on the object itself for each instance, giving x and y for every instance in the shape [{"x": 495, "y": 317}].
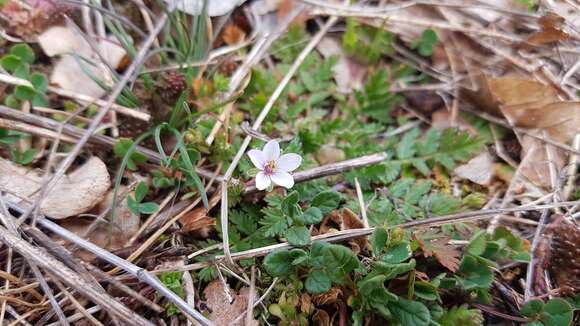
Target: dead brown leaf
[
  {"x": 321, "y": 318},
  {"x": 222, "y": 311},
  {"x": 75, "y": 193},
  {"x": 197, "y": 220},
  {"x": 346, "y": 220},
  {"x": 435, "y": 244},
  {"x": 479, "y": 169},
  {"x": 233, "y": 34},
  {"x": 551, "y": 30},
  {"x": 564, "y": 262}
]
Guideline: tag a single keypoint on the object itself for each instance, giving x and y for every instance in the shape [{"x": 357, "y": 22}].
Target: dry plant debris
[{"x": 290, "y": 162}]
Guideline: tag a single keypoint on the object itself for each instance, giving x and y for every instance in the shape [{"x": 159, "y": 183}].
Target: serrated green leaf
[
  {"x": 298, "y": 236},
  {"x": 417, "y": 191},
  {"x": 475, "y": 272},
  {"x": 557, "y": 312},
  {"x": 340, "y": 261},
  {"x": 379, "y": 240},
  {"x": 477, "y": 244},
  {"x": 279, "y": 263},
  {"x": 290, "y": 204},
  {"x": 406, "y": 147},
  {"x": 410, "y": 313},
  {"x": 274, "y": 221},
  {"x": 326, "y": 201},
  {"x": 397, "y": 254},
  {"x": 317, "y": 282},
  {"x": 312, "y": 215},
  {"x": 532, "y": 308}
]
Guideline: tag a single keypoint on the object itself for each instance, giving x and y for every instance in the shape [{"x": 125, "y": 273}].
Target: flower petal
[
  {"x": 288, "y": 162},
  {"x": 272, "y": 150},
  {"x": 283, "y": 179},
  {"x": 257, "y": 157},
  {"x": 262, "y": 181}
]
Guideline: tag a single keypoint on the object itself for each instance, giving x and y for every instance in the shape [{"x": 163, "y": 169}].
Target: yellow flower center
[{"x": 270, "y": 167}]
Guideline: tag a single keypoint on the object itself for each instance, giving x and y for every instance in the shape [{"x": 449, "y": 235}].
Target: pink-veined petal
[
  {"x": 271, "y": 150},
  {"x": 262, "y": 181},
  {"x": 288, "y": 162},
  {"x": 283, "y": 179},
  {"x": 257, "y": 157}
]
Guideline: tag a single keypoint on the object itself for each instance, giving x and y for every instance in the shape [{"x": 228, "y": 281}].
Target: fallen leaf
[
  {"x": 346, "y": 220},
  {"x": 435, "y": 244},
  {"x": 197, "y": 220},
  {"x": 550, "y": 32},
  {"x": 74, "y": 194},
  {"x": 232, "y": 34},
  {"x": 223, "y": 311},
  {"x": 348, "y": 74},
  {"x": 78, "y": 64},
  {"x": 479, "y": 169},
  {"x": 111, "y": 236}
]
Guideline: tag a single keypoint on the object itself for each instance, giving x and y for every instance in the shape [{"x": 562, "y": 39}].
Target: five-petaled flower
[{"x": 273, "y": 167}]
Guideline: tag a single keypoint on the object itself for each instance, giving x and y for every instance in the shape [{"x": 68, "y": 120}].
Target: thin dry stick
[
  {"x": 78, "y": 316},
  {"x": 33, "y": 130},
  {"x": 251, "y": 295},
  {"x": 354, "y": 233},
  {"x": 332, "y": 169},
  {"x": 67, "y": 162},
  {"x": 6, "y": 285},
  {"x": 42, "y": 259},
  {"x": 48, "y": 291},
  {"x": 531, "y": 270},
  {"x": 76, "y": 132},
  {"x": 268, "y": 290},
  {"x": 134, "y": 270},
  {"x": 77, "y": 305},
  {"x": 189, "y": 291},
  {"x": 572, "y": 169},
  {"x": 361, "y": 203},
  {"x": 83, "y": 99}
]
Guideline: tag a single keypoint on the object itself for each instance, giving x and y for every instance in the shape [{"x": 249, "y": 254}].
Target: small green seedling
[
  {"x": 136, "y": 204},
  {"x": 18, "y": 64},
  {"x": 427, "y": 43}
]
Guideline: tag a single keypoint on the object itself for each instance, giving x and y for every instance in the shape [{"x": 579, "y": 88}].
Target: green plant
[
  {"x": 172, "y": 280},
  {"x": 555, "y": 312},
  {"x": 18, "y": 64},
  {"x": 136, "y": 204},
  {"x": 426, "y": 44}
]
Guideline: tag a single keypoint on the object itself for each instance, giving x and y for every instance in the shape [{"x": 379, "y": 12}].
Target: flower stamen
[{"x": 270, "y": 167}]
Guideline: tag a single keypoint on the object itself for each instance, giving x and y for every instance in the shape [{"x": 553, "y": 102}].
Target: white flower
[{"x": 273, "y": 167}]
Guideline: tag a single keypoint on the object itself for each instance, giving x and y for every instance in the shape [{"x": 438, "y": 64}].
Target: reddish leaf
[{"x": 435, "y": 244}]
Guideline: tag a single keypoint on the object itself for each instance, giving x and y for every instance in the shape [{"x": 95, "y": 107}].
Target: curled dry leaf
[
  {"x": 197, "y": 221},
  {"x": 551, "y": 30},
  {"x": 346, "y": 220},
  {"x": 74, "y": 194},
  {"x": 479, "y": 169},
  {"x": 223, "y": 311},
  {"x": 79, "y": 64},
  {"x": 435, "y": 244}
]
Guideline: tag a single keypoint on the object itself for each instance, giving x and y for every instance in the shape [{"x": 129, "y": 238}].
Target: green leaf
[
  {"x": 274, "y": 221},
  {"x": 426, "y": 291},
  {"x": 279, "y": 263},
  {"x": 40, "y": 100},
  {"x": 298, "y": 236},
  {"x": 141, "y": 191},
  {"x": 148, "y": 208},
  {"x": 391, "y": 271},
  {"x": 406, "y": 147},
  {"x": 24, "y": 93},
  {"x": 476, "y": 273},
  {"x": 290, "y": 204},
  {"x": 461, "y": 316},
  {"x": 397, "y": 253},
  {"x": 24, "y": 52},
  {"x": 326, "y": 201},
  {"x": 312, "y": 215},
  {"x": 10, "y": 62},
  {"x": 25, "y": 157},
  {"x": 317, "y": 282},
  {"x": 133, "y": 205},
  {"x": 557, "y": 312},
  {"x": 121, "y": 149},
  {"x": 379, "y": 240},
  {"x": 427, "y": 42},
  {"x": 340, "y": 261},
  {"x": 39, "y": 81},
  {"x": 477, "y": 244},
  {"x": 11, "y": 101},
  {"x": 532, "y": 308},
  {"x": 22, "y": 71},
  {"x": 410, "y": 313}
]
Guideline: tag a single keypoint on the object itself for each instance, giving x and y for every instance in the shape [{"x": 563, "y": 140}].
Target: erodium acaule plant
[{"x": 274, "y": 167}]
